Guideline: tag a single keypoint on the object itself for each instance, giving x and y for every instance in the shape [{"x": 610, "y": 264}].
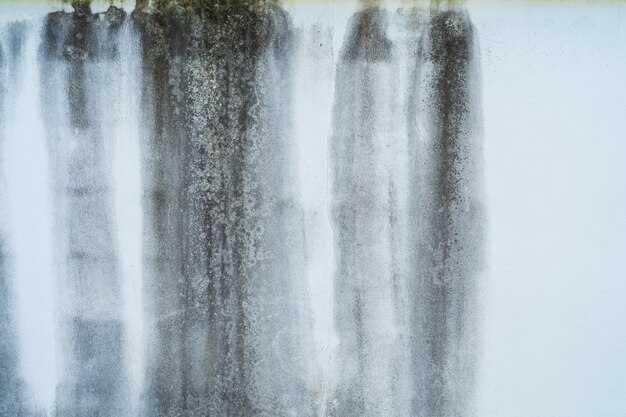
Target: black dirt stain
[
  {"x": 15, "y": 39},
  {"x": 444, "y": 214}
]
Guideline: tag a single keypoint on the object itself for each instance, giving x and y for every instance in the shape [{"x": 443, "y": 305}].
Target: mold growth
[{"x": 218, "y": 263}]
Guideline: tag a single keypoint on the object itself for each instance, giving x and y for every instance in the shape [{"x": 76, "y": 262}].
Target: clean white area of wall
[{"x": 554, "y": 317}]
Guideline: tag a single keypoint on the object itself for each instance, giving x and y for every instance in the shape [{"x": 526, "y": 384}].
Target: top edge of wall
[
  {"x": 11, "y": 10},
  {"x": 131, "y": 3}
]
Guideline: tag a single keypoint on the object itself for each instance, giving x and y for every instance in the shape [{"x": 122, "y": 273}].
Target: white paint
[{"x": 554, "y": 321}]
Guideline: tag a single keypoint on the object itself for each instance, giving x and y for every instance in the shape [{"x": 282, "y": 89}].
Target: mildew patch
[{"x": 213, "y": 84}]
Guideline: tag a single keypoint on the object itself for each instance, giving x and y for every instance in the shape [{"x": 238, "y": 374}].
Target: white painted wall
[{"x": 554, "y": 324}]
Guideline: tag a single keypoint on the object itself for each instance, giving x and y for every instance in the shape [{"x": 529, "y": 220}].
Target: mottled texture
[{"x": 224, "y": 327}]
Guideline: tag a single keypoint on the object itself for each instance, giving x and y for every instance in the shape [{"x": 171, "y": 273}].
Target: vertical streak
[
  {"x": 447, "y": 226},
  {"x": 78, "y": 52},
  {"x": 367, "y": 210},
  {"x": 222, "y": 232},
  {"x": 168, "y": 390}
]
